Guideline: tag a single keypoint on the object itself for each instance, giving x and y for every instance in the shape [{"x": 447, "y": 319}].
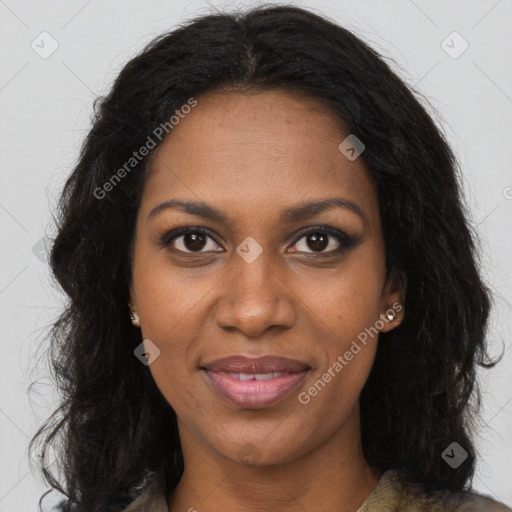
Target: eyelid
[
  {"x": 313, "y": 229},
  {"x": 171, "y": 235},
  {"x": 345, "y": 241}
]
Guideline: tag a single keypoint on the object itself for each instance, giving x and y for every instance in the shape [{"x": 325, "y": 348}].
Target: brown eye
[
  {"x": 191, "y": 240},
  {"x": 194, "y": 241},
  {"x": 319, "y": 239}
]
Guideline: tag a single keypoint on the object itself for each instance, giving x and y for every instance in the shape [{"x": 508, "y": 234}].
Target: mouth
[{"x": 255, "y": 383}]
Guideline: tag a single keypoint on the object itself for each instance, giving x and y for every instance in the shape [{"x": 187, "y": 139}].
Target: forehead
[{"x": 259, "y": 150}]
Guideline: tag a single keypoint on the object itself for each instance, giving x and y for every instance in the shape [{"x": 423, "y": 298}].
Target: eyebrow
[{"x": 291, "y": 214}]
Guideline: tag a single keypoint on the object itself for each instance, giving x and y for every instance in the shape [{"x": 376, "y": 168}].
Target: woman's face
[{"x": 264, "y": 277}]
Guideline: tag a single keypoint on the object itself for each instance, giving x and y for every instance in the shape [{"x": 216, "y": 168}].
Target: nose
[{"x": 254, "y": 299}]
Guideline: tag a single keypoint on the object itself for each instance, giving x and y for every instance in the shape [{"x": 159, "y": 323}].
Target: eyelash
[{"x": 346, "y": 242}]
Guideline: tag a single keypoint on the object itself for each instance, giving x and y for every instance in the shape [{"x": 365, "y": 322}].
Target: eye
[
  {"x": 191, "y": 240},
  {"x": 324, "y": 237}
]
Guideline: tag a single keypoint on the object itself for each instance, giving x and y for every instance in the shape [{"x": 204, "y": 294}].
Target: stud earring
[
  {"x": 390, "y": 315},
  {"x": 134, "y": 317}
]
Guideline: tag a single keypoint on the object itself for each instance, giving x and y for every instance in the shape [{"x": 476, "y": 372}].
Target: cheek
[
  {"x": 347, "y": 301},
  {"x": 167, "y": 297},
  {"x": 167, "y": 319},
  {"x": 336, "y": 386},
  {"x": 175, "y": 373},
  {"x": 347, "y": 316}
]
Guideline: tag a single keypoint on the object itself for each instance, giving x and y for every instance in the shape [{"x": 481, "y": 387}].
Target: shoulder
[
  {"x": 395, "y": 493},
  {"x": 414, "y": 498},
  {"x": 152, "y": 499}
]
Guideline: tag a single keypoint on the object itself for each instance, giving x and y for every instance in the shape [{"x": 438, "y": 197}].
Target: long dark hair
[{"x": 113, "y": 429}]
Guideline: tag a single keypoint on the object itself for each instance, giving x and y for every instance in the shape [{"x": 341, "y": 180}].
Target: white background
[{"x": 45, "y": 112}]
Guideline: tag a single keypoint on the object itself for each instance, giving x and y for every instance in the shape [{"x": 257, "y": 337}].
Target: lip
[
  {"x": 262, "y": 364},
  {"x": 223, "y": 375}
]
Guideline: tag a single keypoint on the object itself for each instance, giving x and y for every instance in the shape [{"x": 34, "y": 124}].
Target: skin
[{"x": 250, "y": 155}]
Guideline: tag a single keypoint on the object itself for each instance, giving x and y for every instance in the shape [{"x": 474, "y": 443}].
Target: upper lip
[{"x": 262, "y": 364}]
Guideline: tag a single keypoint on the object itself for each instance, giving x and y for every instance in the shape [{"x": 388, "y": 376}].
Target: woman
[{"x": 281, "y": 220}]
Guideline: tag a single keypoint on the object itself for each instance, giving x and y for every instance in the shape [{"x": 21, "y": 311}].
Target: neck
[{"x": 333, "y": 476}]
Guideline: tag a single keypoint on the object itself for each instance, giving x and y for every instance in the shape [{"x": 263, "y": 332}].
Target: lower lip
[{"x": 254, "y": 393}]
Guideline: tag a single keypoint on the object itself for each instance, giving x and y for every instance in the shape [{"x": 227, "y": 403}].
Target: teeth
[
  {"x": 257, "y": 376},
  {"x": 264, "y": 376}
]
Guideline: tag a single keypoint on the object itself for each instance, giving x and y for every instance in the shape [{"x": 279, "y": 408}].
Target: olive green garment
[{"x": 392, "y": 494}]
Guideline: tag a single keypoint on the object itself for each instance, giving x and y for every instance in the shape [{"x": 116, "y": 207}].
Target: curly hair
[{"x": 113, "y": 427}]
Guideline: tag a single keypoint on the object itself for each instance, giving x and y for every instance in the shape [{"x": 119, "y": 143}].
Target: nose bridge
[{"x": 254, "y": 298}]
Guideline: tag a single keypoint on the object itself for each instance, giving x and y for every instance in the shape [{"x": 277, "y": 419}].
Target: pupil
[
  {"x": 194, "y": 241},
  {"x": 319, "y": 241}
]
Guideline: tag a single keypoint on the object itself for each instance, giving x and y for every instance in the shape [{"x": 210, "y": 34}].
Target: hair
[{"x": 113, "y": 428}]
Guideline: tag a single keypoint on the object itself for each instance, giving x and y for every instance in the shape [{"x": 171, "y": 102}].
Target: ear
[{"x": 393, "y": 299}]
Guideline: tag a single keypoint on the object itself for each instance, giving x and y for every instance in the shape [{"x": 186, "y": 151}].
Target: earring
[
  {"x": 134, "y": 317},
  {"x": 390, "y": 316}
]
